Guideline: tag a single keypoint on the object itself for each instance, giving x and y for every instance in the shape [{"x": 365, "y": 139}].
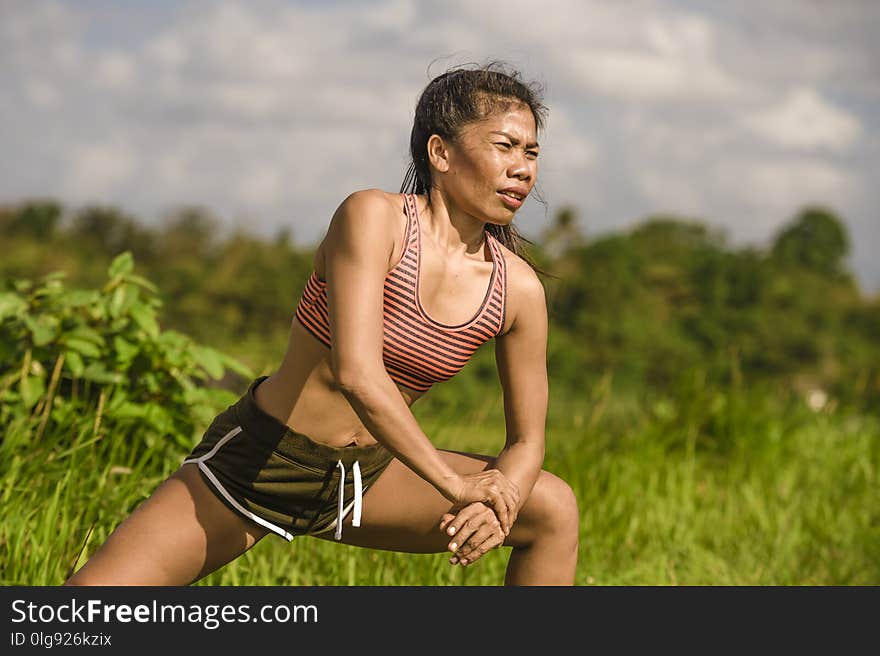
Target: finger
[
  {"x": 465, "y": 533},
  {"x": 454, "y": 525},
  {"x": 513, "y": 519},
  {"x": 494, "y": 540},
  {"x": 512, "y": 512},
  {"x": 496, "y": 501},
  {"x": 485, "y": 525},
  {"x": 444, "y": 521},
  {"x": 462, "y": 529},
  {"x": 501, "y": 510},
  {"x": 487, "y": 530}
]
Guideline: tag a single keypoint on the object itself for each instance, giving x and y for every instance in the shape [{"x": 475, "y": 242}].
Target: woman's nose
[{"x": 521, "y": 169}]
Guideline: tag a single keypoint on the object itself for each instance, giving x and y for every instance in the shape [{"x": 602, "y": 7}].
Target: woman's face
[{"x": 492, "y": 165}]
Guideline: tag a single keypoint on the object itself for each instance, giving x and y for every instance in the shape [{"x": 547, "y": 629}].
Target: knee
[{"x": 555, "y": 506}]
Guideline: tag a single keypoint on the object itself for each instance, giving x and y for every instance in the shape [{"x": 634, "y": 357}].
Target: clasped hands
[{"x": 481, "y": 516}]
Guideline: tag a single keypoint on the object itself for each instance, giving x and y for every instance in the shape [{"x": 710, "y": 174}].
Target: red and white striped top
[{"x": 417, "y": 350}]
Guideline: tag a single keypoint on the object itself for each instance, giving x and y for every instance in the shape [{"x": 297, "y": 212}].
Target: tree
[
  {"x": 38, "y": 219},
  {"x": 817, "y": 240},
  {"x": 562, "y": 234}
]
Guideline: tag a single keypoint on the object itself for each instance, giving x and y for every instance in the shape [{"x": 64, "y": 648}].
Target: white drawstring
[
  {"x": 358, "y": 497},
  {"x": 358, "y": 494}
]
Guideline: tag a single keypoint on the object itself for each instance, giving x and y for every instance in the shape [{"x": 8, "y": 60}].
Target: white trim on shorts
[{"x": 200, "y": 462}]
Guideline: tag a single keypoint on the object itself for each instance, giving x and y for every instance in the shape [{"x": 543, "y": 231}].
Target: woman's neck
[{"x": 452, "y": 230}]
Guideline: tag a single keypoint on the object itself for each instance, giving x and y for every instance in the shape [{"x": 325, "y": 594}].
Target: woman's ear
[{"x": 438, "y": 154}]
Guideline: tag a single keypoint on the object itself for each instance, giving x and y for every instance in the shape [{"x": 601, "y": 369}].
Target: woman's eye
[
  {"x": 503, "y": 144},
  {"x": 533, "y": 154}
]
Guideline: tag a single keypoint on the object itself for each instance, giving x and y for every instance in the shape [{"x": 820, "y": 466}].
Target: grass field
[{"x": 704, "y": 487}]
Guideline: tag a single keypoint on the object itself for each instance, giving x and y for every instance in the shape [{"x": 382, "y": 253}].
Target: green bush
[{"x": 75, "y": 362}]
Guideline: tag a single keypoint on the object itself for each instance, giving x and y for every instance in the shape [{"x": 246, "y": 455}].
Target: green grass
[{"x": 704, "y": 487}]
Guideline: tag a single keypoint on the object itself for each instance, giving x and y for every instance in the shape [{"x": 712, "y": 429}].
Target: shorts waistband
[{"x": 263, "y": 426}]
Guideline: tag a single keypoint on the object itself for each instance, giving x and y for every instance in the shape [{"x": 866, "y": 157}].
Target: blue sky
[{"x": 269, "y": 113}]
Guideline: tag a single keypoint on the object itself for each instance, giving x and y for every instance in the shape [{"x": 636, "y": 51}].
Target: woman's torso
[{"x": 303, "y": 392}]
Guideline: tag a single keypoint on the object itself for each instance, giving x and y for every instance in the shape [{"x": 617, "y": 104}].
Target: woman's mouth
[{"x": 512, "y": 199}]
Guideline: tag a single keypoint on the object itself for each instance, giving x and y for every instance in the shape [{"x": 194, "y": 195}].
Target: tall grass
[{"x": 704, "y": 486}]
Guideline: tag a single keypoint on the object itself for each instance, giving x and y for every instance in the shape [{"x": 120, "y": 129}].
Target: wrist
[{"x": 450, "y": 486}]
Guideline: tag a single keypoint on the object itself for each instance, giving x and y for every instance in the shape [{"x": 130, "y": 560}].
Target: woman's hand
[
  {"x": 475, "y": 530},
  {"x": 494, "y": 489}
]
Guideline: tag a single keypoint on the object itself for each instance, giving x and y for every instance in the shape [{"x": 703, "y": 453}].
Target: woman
[{"x": 327, "y": 446}]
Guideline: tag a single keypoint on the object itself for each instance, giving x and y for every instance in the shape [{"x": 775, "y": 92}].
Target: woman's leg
[
  {"x": 402, "y": 512},
  {"x": 180, "y": 534}
]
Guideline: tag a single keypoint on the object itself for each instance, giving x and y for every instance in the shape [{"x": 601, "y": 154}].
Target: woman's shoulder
[
  {"x": 520, "y": 274},
  {"x": 367, "y": 216},
  {"x": 368, "y": 212},
  {"x": 525, "y": 291},
  {"x": 375, "y": 202}
]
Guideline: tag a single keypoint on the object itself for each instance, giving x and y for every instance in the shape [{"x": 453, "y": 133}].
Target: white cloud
[
  {"x": 780, "y": 187},
  {"x": 260, "y": 187},
  {"x": 115, "y": 71},
  {"x": 661, "y": 139},
  {"x": 96, "y": 171},
  {"x": 805, "y": 121},
  {"x": 167, "y": 50},
  {"x": 671, "y": 192},
  {"x": 570, "y": 152},
  {"x": 42, "y": 94},
  {"x": 283, "y": 107},
  {"x": 673, "y": 59}
]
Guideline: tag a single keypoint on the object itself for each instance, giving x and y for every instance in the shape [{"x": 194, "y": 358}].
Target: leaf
[
  {"x": 98, "y": 373},
  {"x": 80, "y": 297},
  {"x": 121, "y": 265},
  {"x": 74, "y": 362},
  {"x": 82, "y": 347},
  {"x": 116, "y": 301},
  {"x": 145, "y": 317},
  {"x": 31, "y": 389},
  {"x": 43, "y": 328},
  {"x": 139, "y": 280},
  {"x": 54, "y": 276},
  {"x": 158, "y": 417},
  {"x": 151, "y": 382},
  {"x": 123, "y": 297},
  {"x": 125, "y": 350},
  {"x": 236, "y": 366},
  {"x": 51, "y": 287},
  {"x": 11, "y": 305},
  {"x": 87, "y": 334},
  {"x": 129, "y": 410},
  {"x": 210, "y": 360}
]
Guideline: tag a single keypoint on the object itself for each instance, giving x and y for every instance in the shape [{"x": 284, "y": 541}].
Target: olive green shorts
[{"x": 281, "y": 479}]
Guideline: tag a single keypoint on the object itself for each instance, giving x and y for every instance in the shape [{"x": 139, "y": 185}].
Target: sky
[{"x": 269, "y": 113}]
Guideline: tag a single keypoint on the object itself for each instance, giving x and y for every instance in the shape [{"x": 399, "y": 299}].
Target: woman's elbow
[{"x": 356, "y": 380}]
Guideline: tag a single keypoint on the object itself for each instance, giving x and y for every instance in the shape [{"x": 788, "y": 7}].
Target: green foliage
[
  {"x": 100, "y": 354},
  {"x": 816, "y": 241},
  {"x": 713, "y": 408},
  {"x": 670, "y": 295},
  {"x": 644, "y": 304},
  {"x": 36, "y": 219},
  {"x": 705, "y": 485}
]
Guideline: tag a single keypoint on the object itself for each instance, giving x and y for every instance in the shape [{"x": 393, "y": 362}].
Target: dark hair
[{"x": 460, "y": 96}]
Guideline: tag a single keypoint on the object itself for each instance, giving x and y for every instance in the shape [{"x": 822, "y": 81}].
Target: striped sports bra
[{"x": 417, "y": 350}]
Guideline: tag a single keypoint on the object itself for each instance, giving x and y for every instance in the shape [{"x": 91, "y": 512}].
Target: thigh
[
  {"x": 181, "y": 533},
  {"x": 402, "y": 511}
]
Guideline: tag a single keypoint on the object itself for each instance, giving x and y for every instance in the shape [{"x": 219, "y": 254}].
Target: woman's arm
[
  {"x": 521, "y": 356},
  {"x": 357, "y": 251}
]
